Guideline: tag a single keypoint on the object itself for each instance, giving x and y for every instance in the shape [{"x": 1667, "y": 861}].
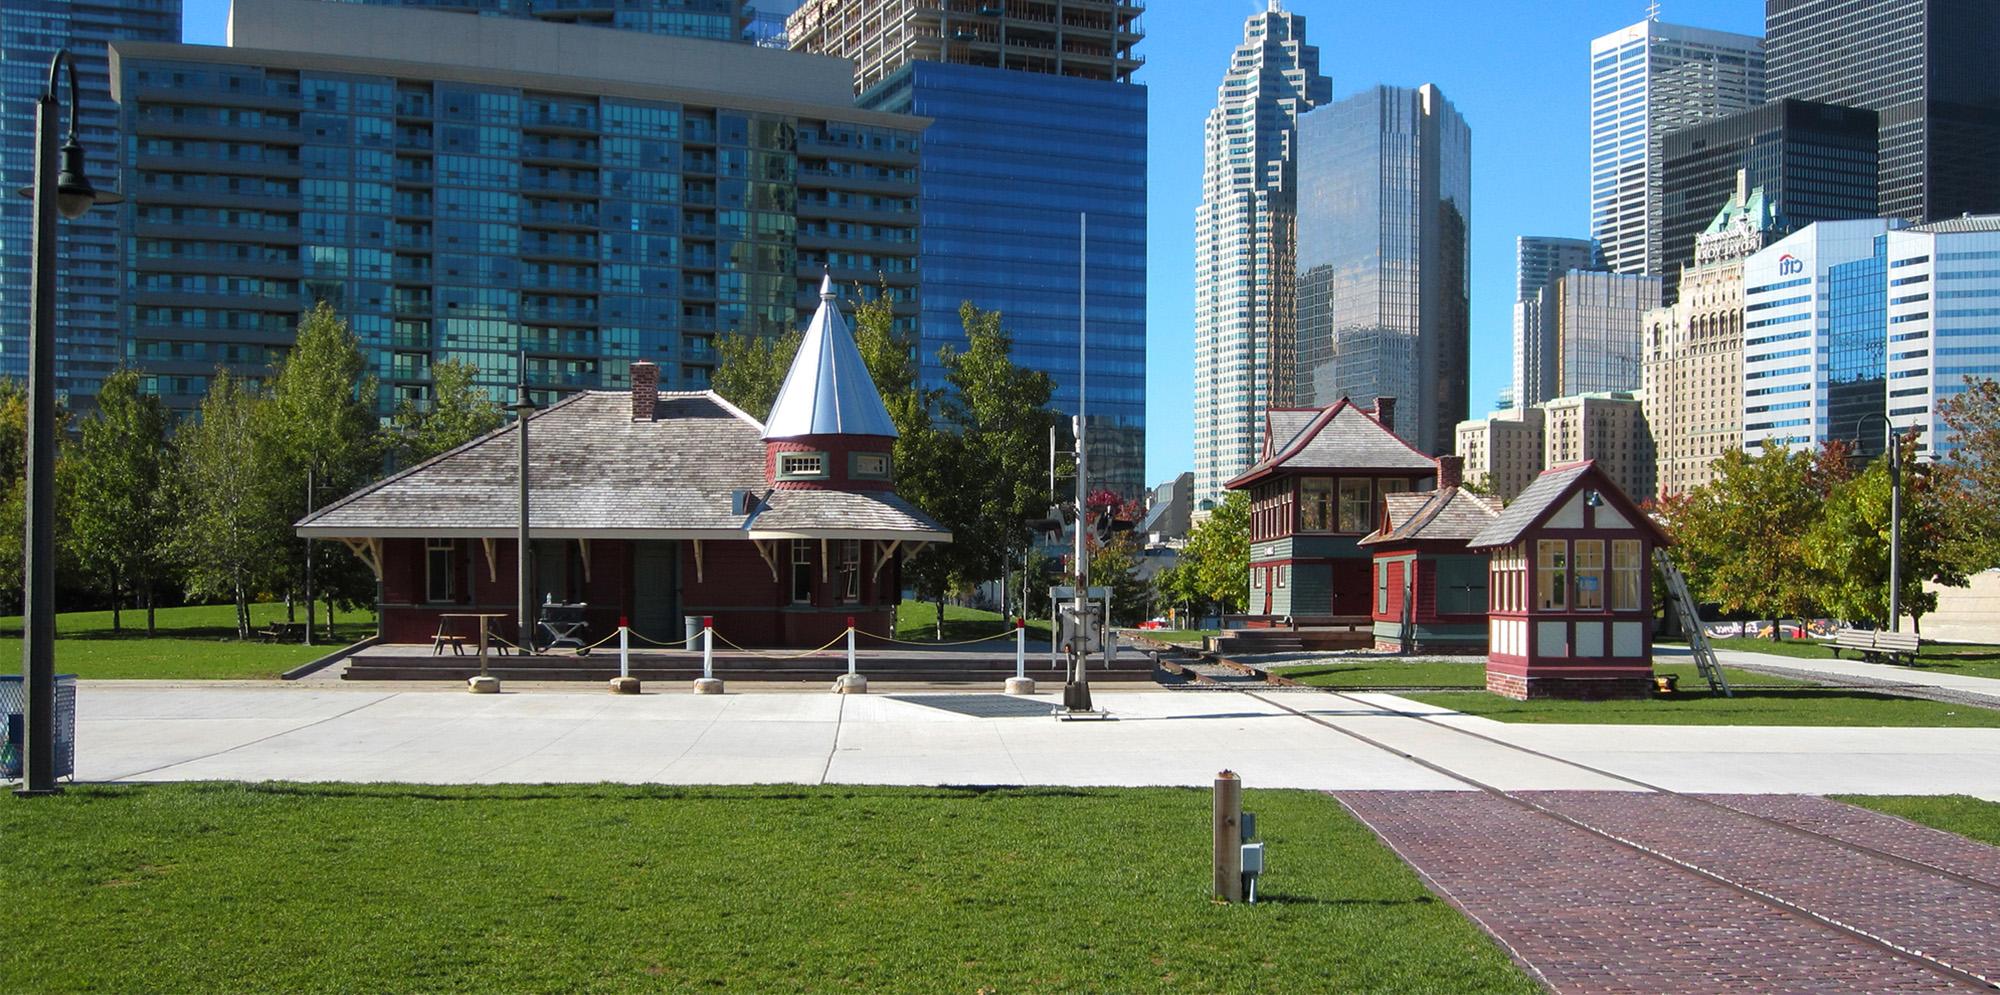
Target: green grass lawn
[
  {"x": 1391, "y": 672},
  {"x": 272, "y": 887},
  {"x": 196, "y": 642},
  {"x": 1800, "y": 705},
  {"x": 917, "y": 621},
  {"x": 1970, "y": 659},
  {"x": 1970, "y": 817}
]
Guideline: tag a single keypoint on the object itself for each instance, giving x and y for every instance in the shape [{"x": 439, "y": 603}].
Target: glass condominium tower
[
  {"x": 1034, "y": 120},
  {"x": 720, "y": 20},
  {"x": 455, "y": 192},
  {"x": 87, "y": 319},
  {"x": 1383, "y": 257},
  {"x": 1645, "y": 81},
  {"x": 1244, "y": 329}
]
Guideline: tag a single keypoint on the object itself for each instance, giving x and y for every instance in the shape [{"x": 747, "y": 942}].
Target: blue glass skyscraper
[
  {"x": 87, "y": 325},
  {"x": 1009, "y": 167},
  {"x": 1035, "y": 121}
]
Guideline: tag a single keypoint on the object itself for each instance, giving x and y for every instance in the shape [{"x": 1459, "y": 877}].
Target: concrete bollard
[
  {"x": 483, "y": 684},
  {"x": 850, "y": 682},
  {"x": 707, "y": 683},
  {"x": 1020, "y": 683}
]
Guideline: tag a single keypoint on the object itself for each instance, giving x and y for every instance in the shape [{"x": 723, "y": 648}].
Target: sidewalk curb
[{"x": 315, "y": 666}]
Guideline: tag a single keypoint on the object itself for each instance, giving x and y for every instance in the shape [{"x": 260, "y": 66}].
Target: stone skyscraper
[
  {"x": 1384, "y": 214},
  {"x": 1243, "y": 323},
  {"x": 1645, "y": 81}
]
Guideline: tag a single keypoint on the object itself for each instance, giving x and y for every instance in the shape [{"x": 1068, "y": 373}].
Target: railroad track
[{"x": 1954, "y": 938}]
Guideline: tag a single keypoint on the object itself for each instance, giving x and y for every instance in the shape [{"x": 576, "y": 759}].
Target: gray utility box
[
  {"x": 1086, "y": 631},
  {"x": 13, "y": 696}
]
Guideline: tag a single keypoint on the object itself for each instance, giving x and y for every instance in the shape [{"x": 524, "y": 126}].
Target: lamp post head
[{"x": 74, "y": 193}]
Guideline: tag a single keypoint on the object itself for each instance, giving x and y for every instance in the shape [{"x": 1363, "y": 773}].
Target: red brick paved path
[{"x": 1590, "y": 915}]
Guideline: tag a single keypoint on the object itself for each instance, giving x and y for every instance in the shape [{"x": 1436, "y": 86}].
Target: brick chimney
[
  {"x": 1451, "y": 471},
  {"x": 645, "y": 389},
  {"x": 1385, "y": 412}
]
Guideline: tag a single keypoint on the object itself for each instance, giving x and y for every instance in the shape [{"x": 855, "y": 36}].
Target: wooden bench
[{"x": 1896, "y": 647}]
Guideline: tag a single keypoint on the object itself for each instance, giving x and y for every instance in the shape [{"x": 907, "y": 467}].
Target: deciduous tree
[
  {"x": 118, "y": 512},
  {"x": 228, "y": 529},
  {"x": 751, "y": 368},
  {"x": 1971, "y": 472},
  {"x": 459, "y": 411},
  {"x": 1218, "y": 554}
]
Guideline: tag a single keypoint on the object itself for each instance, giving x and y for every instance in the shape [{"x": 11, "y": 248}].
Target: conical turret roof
[{"x": 828, "y": 390}]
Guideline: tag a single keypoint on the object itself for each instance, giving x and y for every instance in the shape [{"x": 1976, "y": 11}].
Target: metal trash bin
[
  {"x": 12, "y": 694},
  {"x": 693, "y": 624}
]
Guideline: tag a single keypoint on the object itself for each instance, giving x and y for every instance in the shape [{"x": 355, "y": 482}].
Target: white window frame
[{"x": 785, "y": 472}]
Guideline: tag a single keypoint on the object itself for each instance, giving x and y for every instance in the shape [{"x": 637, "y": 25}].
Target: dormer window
[
  {"x": 801, "y": 466},
  {"x": 870, "y": 466}
]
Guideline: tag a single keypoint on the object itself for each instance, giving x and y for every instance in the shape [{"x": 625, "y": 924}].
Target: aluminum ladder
[{"x": 1704, "y": 654}]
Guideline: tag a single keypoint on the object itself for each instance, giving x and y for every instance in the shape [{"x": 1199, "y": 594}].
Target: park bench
[
  {"x": 1896, "y": 647},
  {"x": 283, "y": 632}
]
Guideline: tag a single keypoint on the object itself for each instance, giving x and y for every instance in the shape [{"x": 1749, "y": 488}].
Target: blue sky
[{"x": 1517, "y": 71}]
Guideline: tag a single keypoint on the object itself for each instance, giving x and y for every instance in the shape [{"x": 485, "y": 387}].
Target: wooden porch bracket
[
  {"x": 492, "y": 562},
  {"x": 697, "y": 562},
  {"x": 583, "y": 551},
  {"x": 888, "y": 553},
  {"x": 822, "y": 561},
  {"x": 368, "y": 551},
  {"x": 768, "y": 549}
]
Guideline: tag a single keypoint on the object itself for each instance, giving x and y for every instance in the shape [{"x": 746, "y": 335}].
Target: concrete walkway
[
  {"x": 1982, "y": 687},
  {"x": 152, "y": 731}
]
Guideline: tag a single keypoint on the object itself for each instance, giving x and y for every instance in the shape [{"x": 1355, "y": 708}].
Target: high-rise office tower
[
  {"x": 1600, "y": 321},
  {"x": 1035, "y": 121},
  {"x": 1244, "y": 230},
  {"x": 1384, "y": 212},
  {"x": 458, "y": 192},
  {"x": 1925, "y": 67},
  {"x": 1814, "y": 359},
  {"x": 1539, "y": 260},
  {"x": 1693, "y": 362},
  {"x": 1814, "y": 162},
  {"x": 718, "y": 20},
  {"x": 87, "y": 319},
  {"x": 1647, "y": 81}
]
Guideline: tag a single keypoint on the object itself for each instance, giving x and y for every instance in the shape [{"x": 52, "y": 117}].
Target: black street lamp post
[
  {"x": 60, "y": 186},
  {"x": 1892, "y": 450}
]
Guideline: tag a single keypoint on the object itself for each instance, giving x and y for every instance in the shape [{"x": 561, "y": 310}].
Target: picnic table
[
  {"x": 283, "y": 632},
  {"x": 481, "y": 624}
]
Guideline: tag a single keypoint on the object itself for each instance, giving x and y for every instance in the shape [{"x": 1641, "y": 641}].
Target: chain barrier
[
  {"x": 781, "y": 656},
  {"x": 914, "y": 642},
  {"x": 687, "y": 643}
]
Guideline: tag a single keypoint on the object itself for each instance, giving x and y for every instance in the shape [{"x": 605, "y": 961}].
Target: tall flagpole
[{"x": 1076, "y": 694}]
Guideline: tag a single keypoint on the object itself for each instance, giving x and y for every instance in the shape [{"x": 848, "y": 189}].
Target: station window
[{"x": 801, "y": 466}]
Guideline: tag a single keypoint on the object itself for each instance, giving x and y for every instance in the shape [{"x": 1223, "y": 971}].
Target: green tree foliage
[
  {"x": 1215, "y": 563},
  {"x": 997, "y": 415},
  {"x": 458, "y": 412},
  {"x": 117, "y": 504},
  {"x": 14, "y": 494},
  {"x": 229, "y": 530},
  {"x": 1741, "y": 538},
  {"x": 1847, "y": 545},
  {"x": 320, "y": 427},
  {"x": 751, "y": 368},
  {"x": 1971, "y": 473},
  {"x": 1115, "y": 564}
]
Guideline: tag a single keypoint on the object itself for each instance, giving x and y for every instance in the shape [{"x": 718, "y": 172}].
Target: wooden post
[{"x": 1228, "y": 828}]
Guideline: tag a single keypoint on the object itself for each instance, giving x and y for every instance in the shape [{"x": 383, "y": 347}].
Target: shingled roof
[
  {"x": 597, "y": 473},
  {"x": 1453, "y": 513},
  {"x": 1547, "y": 493},
  {"x": 1340, "y": 436}
]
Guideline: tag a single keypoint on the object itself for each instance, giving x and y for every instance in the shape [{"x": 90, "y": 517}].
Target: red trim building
[
  {"x": 1430, "y": 590},
  {"x": 1571, "y": 590},
  {"x": 1317, "y": 489},
  {"x": 651, "y": 506}
]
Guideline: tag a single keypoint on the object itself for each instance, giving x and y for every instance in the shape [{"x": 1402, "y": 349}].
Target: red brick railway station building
[{"x": 649, "y": 506}]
